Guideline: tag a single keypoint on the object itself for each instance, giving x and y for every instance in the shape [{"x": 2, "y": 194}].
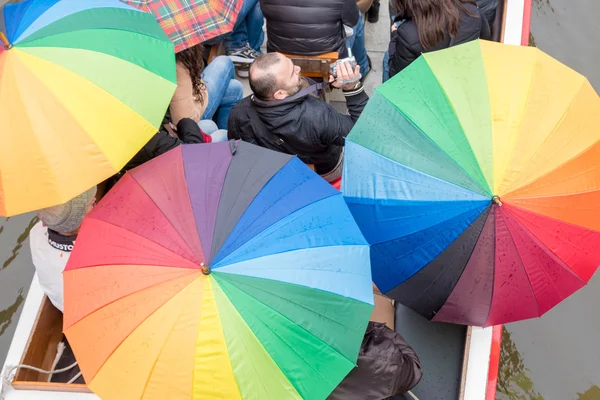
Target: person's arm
[
  {"x": 350, "y": 13},
  {"x": 486, "y": 32},
  {"x": 339, "y": 125},
  {"x": 410, "y": 372},
  {"x": 182, "y": 103},
  {"x": 356, "y": 101},
  {"x": 400, "y": 52},
  {"x": 189, "y": 132}
]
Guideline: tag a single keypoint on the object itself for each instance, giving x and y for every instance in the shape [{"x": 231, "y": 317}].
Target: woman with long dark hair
[
  {"x": 204, "y": 94},
  {"x": 428, "y": 25}
]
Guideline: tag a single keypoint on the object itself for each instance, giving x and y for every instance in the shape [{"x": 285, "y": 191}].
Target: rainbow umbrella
[
  {"x": 189, "y": 22},
  {"x": 474, "y": 174},
  {"x": 84, "y": 84},
  {"x": 218, "y": 272}
]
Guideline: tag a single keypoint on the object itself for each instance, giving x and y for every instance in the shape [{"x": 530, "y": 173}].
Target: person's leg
[
  {"x": 216, "y": 77},
  {"x": 243, "y": 44},
  {"x": 208, "y": 126},
  {"x": 233, "y": 94},
  {"x": 386, "y": 67},
  {"x": 358, "y": 47},
  {"x": 219, "y": 136},
  {"x": 254, "y": 26}
]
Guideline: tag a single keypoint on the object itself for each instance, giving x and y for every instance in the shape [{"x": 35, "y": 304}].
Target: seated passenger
[
  {"x": 308, "y": 27},
  {"x": 205, "y": 95},
  {"x": 52, "y": 240},
  {"x": 429, "y": 25},
  {"x": 283, "y": 116}
]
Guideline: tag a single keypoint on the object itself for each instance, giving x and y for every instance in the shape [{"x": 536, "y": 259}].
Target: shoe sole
[
  {"x": 241, "y": 60},
  {"x": 243, "y": 73}
]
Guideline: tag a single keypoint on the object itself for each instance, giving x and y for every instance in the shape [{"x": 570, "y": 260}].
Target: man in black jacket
[
  {"x": 308, "y": 27},
  {"x": 283, "y": 116}
]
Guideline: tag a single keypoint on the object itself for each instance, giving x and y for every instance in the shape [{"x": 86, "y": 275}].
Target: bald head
[{"x": 274, "y": 76}]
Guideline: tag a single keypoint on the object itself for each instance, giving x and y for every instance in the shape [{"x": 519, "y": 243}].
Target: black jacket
[
  {"x": 188, "y": 132},
  {"x": 405, "y": 46},
  {"x": 308, "y": 27},
  {"x": 386, "y": 367},
  {"x": 306, "y": 127},
  {"x": 487, "y": 7}
]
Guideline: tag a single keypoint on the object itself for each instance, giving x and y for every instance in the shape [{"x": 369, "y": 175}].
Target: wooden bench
[{"x": 315, "y": 66}]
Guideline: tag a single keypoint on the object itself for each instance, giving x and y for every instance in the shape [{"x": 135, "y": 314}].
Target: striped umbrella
[
  {"x": 475, "y": 176},
  {"x": 218, "y": 272},
  {"x": 84, "y": 84},
  {"x": 189, "y": 22}
]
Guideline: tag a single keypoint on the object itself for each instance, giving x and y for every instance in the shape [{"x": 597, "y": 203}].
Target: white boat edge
[
  {"x": 28, "y": 316},
  {"x": 480, "y": 366}
]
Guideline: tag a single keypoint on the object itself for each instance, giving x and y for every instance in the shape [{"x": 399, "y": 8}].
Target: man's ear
[{"x": 280, "y": 94}]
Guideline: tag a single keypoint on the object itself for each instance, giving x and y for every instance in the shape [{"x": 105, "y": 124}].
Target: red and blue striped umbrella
[{"x": 189, "y": 22}]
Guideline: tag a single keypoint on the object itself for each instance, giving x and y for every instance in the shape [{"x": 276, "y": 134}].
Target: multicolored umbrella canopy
[
  {"x": 474, "y": 174},
  {"x": 204, "y": 274},
  {"x": 189, "y": 22},
  {"x": 84, "y": 84}
]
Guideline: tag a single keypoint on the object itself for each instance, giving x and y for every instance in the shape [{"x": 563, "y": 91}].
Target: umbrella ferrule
[
  {"x": 496, "y": 199},
  {"x": 7, "y": 45},
  {"x": 205, "y": 269}
]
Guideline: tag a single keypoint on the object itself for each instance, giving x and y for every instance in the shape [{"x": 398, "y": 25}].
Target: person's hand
[
  {"x": 344, "y": 73},
  {"x": 394, "y": 27}
]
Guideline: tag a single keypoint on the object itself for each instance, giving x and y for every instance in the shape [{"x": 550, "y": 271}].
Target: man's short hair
[{"x": 263, "y": 82}]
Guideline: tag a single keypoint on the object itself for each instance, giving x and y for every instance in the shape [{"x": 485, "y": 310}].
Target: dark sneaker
[
  {"x": 373, "y": 12},
  {"x": 243, "y": 70},
  {"x": 245, "y": 55}
]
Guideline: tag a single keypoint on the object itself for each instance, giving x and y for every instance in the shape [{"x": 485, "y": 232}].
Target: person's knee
[
  {"x": 236, "y": 89},
  {"x": 224, "y": 64}
]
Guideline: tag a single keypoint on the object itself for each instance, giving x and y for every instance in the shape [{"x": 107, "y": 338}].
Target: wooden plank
[
  {"x": 43, "y": 341},
  {"x": 465, "y": 364},
  {"x": 51, "y": 387}
]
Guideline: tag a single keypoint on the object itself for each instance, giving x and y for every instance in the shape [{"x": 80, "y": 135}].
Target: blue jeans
[
  {"x": 248, "y": 28},
  {"x": 209, "y": 127},
  {"x": 223, "y": 90},
  {"x": 356, "y": 42},
  {"x": 386, "y": 67}
]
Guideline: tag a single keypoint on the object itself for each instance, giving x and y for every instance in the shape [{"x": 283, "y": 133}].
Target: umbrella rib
[
  {"x": 446, "y": 269},
  {"x": 510, "y": 152},
  {"x": 285, "y": 343},
  {"x": 217, "y": 266},
  {"x": 476, "y": 165},
  {"x": 544, "y": 249},
  {"x": 274, "y": 222},
  {"x": 553, "y": 235},
  {"x": 143, "y": 216},
  {"x": 150, "y": 240},
  {"x": 493, "y": 215},
  {"x": 571, "y": 138},
  {"x": 408, "y": 144},
  {"x": 192, "y": 271},
  {"x": 287, "y": 300},
  {"x": 506, "y": 222},
  {"x": 565, "y": 179},
  {"x": 30, "y": 42},
  {"x": 168, "y": 336},
  {"x": 171, "y": 223}
]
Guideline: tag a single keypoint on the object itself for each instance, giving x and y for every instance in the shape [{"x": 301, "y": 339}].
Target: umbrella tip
[
  {"x": 7, "y": 45},
  {"x": 205, "y": 269},
  {"x": 496, "y": 199}
]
